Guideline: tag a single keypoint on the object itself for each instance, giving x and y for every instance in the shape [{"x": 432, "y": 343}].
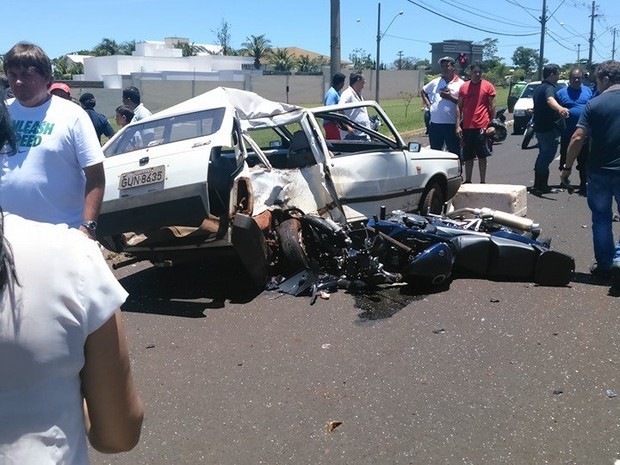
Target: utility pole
[
  {"x": 378, "y": 65},
  {"x": 543, "y": 26},
  {"x": 613, "y": 47},
  {"x": 592, "y": 16},
  {"x": 578, "y": 52},
  {"x": 334, "y": 61},
  {"x": 400, "y": 59}
]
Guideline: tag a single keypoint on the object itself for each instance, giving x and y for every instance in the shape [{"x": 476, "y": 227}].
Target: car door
[
  {"x": 370, "y": 177},
  {"x": 164, "y": 180}
]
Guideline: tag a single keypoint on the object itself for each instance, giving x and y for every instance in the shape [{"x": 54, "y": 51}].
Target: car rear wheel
[
  {"x": 293, "y": 257},
  {"x": 433, "y": 199}
]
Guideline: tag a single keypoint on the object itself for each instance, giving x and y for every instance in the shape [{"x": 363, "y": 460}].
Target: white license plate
[{"x": 143, "y": 177}]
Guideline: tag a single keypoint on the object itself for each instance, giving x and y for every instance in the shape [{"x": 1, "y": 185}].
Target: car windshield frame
[{"x": 167, "y": 130}]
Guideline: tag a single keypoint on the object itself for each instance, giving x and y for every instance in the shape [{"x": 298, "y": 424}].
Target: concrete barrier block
[{"x": 505, "y": 197}]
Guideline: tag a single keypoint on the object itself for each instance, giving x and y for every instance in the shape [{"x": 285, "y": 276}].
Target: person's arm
[
  {"x": 492, "y": 107},
  {"x": 574, "y": 149},
  {"x": 95, "y": 185},
  {"x": 459, "y": 109},
  {"x": 113, "y": 410},
  {"x": 425, "y": 100},
  {"x": 554, "y": 105}
]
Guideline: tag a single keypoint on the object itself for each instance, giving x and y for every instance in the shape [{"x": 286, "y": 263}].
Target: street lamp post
[{"x": 379, "y": 37}]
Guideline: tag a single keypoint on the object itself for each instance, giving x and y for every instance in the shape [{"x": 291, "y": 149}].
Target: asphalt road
[{"x": 478, "y": 372}]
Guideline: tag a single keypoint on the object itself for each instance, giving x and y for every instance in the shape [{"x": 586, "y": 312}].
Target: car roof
[{"x": 251, "y": 109}]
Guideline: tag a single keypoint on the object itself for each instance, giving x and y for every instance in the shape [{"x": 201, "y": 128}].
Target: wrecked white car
[{"x": 214, "y": 172}]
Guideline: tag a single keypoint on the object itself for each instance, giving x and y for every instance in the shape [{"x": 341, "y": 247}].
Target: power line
[
  {"x": 483, "y": 14},
  {"x": 469, "y": 25}
]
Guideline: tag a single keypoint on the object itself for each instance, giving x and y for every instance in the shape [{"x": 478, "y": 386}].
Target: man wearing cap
[
  {"x": 100, "y": 122},
  {"x": 56, "y": 175},
  {"x": 62, "y": 90},
  {"x": 440, "y": 97}
]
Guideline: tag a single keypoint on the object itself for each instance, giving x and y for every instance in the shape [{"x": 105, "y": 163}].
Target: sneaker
[
  {"x": 615, "y": 274},
  {"x": 596, "y": 270}
]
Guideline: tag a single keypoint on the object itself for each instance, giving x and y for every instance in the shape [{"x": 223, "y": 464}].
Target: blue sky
[{"x": 70, "y": 25}]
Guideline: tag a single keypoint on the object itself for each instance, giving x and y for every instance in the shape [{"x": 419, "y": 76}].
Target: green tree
[
  {"x": 256, "y": 47},
  {"x": 282, "y": 60},
  {"x": 189, "y": 50},
  {"x": 490, "y": 50},
  {"x": 126, "y": 48},
  {"x": 361, "y": 59},
  {"x": 222, "y": 35},
  {"x": 106, "y": 47},
  {"x": 307, "y": 65},
  {"x": 422, "y": 64},
  {"x": 525, "y": 58}
]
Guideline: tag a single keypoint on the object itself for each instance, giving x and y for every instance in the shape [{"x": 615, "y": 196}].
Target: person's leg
[
  {"x": 600, "y": 196},
  {"x": 547, "y": 148},
  {"x": 453, "y": 143},
  {"x": 616, "y": 193},
  {"x": 469, "y": 168},
  {"x": 482, "y": 166},
  {"x": 435, "y": 136},
  {"x": 582, "y": 159},
  {"x": 468, "y": 156},
  {"x": 564, "y": 140}
]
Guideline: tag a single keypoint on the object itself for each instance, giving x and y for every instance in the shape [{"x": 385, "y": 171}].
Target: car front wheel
[
  {"x": 293, "y": 257},
  {"x": 433, "y": 199}
]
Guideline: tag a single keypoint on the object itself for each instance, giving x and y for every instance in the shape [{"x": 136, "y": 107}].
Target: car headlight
[{"x": 519, "y": 113}]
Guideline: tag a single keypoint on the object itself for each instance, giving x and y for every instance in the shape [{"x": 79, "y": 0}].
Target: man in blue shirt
[
  {"x": 332, "y": 97},
  {"x": 574, "y": 97},
  {"x": 601, "y": 121},
  {"x": 100, "y": 122}
]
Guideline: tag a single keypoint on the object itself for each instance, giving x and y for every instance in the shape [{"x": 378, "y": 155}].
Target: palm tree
[
  {"x": 305, "y": 64},
  {"x": 256, "y": 47},
  {"x": 127, "y": 47},
  {"x": 106, "y": 47},
  {"x": 189, "y": 50},
  {"x": 282, "y": 60}
]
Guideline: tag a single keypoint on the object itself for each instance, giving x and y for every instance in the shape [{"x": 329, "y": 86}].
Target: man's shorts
[{"x": 476, "y": 144}]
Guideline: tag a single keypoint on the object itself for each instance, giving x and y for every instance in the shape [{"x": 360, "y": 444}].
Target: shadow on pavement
[{"x": 187, "y": 290}]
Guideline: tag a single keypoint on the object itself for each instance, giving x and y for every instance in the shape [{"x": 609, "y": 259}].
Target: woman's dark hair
[{"x": 7, "y": 136}]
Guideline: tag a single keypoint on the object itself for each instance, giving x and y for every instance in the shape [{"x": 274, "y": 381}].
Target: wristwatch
[{"x": 90, "y": 225}]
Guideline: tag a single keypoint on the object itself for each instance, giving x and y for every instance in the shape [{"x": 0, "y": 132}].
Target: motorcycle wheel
[
  {"x": 293, "y": 257},
  {"x": 527, "y": 137},
  {"x": 433, "y": 200}
]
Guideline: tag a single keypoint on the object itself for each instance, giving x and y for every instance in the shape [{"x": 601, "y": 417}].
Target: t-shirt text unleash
[{"x": 29, "y": 133}]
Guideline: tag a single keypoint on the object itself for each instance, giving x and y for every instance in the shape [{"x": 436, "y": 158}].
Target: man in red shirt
[{"x": 474, "y": 111}]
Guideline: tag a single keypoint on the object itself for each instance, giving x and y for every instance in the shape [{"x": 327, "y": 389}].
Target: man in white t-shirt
[
  {"x": 131, "y": 98},
  {"x": 56, "y": 174},
  {"x": 352, "y": 94},
  {"x": 440, "y": 97}
]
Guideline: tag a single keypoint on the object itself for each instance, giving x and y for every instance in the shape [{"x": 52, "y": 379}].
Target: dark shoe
[
  {"x": 596, "y": 270},
  {"x": 615, "y": 275},
  {"x": 540, "y": 190},
  {"x": 583, "y": 190}
]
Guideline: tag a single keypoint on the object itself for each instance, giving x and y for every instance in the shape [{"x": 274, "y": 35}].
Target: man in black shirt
[{"x": 548, "y": 120}]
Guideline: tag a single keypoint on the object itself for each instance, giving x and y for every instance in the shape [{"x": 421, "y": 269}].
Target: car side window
[{"x": 167, "y": 130}]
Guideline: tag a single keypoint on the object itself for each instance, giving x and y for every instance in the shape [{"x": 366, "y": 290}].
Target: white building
[{"x": 157, "y": 60}]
